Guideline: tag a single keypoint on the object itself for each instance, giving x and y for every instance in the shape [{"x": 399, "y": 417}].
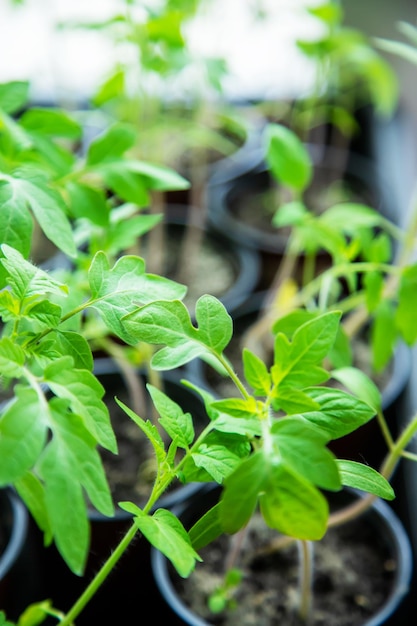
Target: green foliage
[{"x": 290, "y": 461}]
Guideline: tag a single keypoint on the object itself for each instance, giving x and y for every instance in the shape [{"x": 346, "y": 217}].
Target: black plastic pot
[
  {"x": 131, "y": 582},
  {"x": 241, "y": 265},
  {"x": 17, "y": 580},
  {"x": 248, "y": 176},
  {"x": 382, "y": 523}
]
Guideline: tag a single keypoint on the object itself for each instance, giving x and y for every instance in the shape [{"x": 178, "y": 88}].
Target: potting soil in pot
[{"x": 352, "y": 579}]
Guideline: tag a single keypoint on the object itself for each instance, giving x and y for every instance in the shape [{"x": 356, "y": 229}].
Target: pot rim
[{"x": 18, "y": 531}]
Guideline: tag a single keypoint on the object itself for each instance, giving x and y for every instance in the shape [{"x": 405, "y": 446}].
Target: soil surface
[{"x": 352, "y": 579}]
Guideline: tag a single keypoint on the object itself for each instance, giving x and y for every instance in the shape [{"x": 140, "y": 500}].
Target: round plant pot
[
  {"x": 374, "y": 547},
  {"x": 211, "y": 263},
  {"x": 367, "y": 442},
  {"x": 17, "y": 581},
  {"x": 240, "y": 201},
  {"x": 117, "y": 600}
]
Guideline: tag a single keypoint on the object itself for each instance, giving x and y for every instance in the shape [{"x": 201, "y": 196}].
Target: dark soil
[{"x": 352, "y": 579}]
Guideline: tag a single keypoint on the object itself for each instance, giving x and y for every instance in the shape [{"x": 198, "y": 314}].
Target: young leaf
[
  {"x": 74, "y": 444},
  {"x": 16, "y": 224},
  {"x": 340, "y": 413},
  {"x": 51, "y": 122},
  {"x": 295, "y": 363},
  {"x": 23, "y": 432},
  {"x": 12, "y": 358},
  {"x": 66, "y": 506},
  {"x": 366, "y": 478},
  {"x": 238, "y": 407},
  {"x": 178, "y": 425},
  {"x": 48, "y": 209},
  {"x": 256, "y": 373},
  {"x": 76, "y": 346},
  {"x": 111, "y": 144},
  {"x": 32, "y": 492},
  {"x": 219, "y": 461},
  {"x": 359, "y": 384},
  {"x": 166, "y": 533},
  {"x": 383, "y": 335},
  {"x": 287, "y": 157},
  {"x": 169, "y": 324},
  {"x": 149, "y": 429},
  {"x": 27, "y": 280},
  {"x": 407, "y": 301},
  {"x": 13, "y": 95},
  {"x": 206, "y": 529},
  {"x": 118, "y": 291},
  {"x": 302, "y": 450},
  {"x": 84, "y": 393},
  {"x": 293, "y": 506}
]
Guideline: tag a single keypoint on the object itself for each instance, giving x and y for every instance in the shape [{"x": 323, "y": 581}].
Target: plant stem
[
  {"x": 99, "y": 578},
  {"x": 396, "y": 452},
  {"x": 305, "y": 553}
]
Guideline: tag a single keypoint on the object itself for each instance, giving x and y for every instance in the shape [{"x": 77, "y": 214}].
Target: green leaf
[
  {"x": 217, "y": 460},
  {"x": 407, "y": 302},
  {"x": 13, "y": 95},
  {"x": 84, "y": 393},
  {"x": 32, "y": 492},
  {"x": 292, "y": 400},
  {"x": 112, "y": 87},
  {"x": 50, "y": 122},
  {"x": 293, "y": 506},
  {"x": 12, "y": 358},
  {"x": 178, "y": 425},
  {"x": 340, "y": 413},
  {"x": 4, "y": 621},
  {"x": 373, "y": 283},
  {"x": 383, "y": 335},
  {"x": 206, "y": 529},
  {"x": 287, "y": 157},
  {"x": 302, "y": 449},
  {"x": 149, "y": 429},
  {"x": 73, "y": 344},
  {"x": 75, "y": 446},
  {"x": 23, "y": 432},
  {"x": 89, "y": 203},
  {"x": 290, "y": 214},
  {"x": 295, "y": 364},
  {"x": 111, "y": 144},
  {"x": 169, "y": 324},
  {"x": 166, "y": 533},
  {"x": 128, "y": 185},
  {"x": 119, "y": 291},
  {"x": 366, "y": 478},
  {"x": 34, "y": 614},
  {"x": 256, "y": 373},
  {"x": 158, "y": 177},
  {"x": 27, "y": 280},
  {"x": 45, "y": 313},
  {"x": 248, "y": 478},
  {"x": 66, "y": 507},
  {"x": 16, "y": 224},
  {"x": 237, "y": 407},
  {"x": 48, "y": 208},
  {"x": 359, "y": 384}
]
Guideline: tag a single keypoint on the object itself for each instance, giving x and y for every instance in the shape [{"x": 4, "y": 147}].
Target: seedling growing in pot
[
  {"x": 349, "y": 74},
  {"x": 365, "y": 275},
  {"x": 268, "y": 443}
]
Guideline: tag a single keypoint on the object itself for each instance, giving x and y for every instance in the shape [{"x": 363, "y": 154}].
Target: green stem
[
  {"x": 99, "y": 578},
  {"x": 305, "y": 551},
  {"x": 396, "y": 452}
]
